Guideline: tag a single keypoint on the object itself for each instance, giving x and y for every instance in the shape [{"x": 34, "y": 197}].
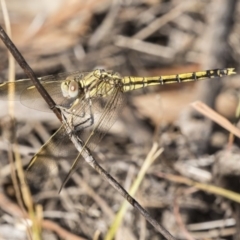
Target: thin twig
[
  {"x": 159, "y": 22},
  {"x": 214, "y": 116},
  {"x": 78, "y": 142}
]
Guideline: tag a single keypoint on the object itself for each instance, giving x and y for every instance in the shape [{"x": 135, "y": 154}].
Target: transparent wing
[
  {"x": 97, "y": 112},
  {"x": 107, "y": 116},
  {"x": 28, "y": 95}
]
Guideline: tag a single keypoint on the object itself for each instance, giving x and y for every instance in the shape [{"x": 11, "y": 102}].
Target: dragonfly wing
[
  {"x": 31, "y": 98},
  {"x": 95, "y": 111},
  {"x": 107, "y": 116},
  {"x": 26, "y": 92},
  {"x": 17, "y": 87}
]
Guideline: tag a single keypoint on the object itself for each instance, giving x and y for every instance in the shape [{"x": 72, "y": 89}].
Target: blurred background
[{"x": 141, "y": 38}]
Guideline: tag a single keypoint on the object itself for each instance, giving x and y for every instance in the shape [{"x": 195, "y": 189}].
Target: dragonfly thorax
[{"x": 100, "y": 83}]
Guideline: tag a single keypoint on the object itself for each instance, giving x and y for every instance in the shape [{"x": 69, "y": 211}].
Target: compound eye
[
  {"x": 64, "y": 88},
  {"x": 73, "y": 89}
]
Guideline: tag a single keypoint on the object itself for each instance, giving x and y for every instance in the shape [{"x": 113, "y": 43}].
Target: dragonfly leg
[
  {"x": 89, "y": 121},
  {"x": 79, "y": 127},
  {"x": 78, "y": 119}
]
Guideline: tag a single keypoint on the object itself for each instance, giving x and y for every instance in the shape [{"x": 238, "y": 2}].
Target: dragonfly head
[{"x": 70, "y": 89}]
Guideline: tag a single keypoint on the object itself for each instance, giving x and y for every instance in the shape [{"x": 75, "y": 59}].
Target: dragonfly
[{"x": 86, "y": 99}]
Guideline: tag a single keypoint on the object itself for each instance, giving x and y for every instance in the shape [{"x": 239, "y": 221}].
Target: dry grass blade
[
  {"x": 208, "y": 112},
  {"x": 151, "y": 157},
  {"x": 14, "y": 210},
  {"x": 205, "y": 187},
  {"x": 13, "y": 152},
  {"x": 159, "y": 22}
]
